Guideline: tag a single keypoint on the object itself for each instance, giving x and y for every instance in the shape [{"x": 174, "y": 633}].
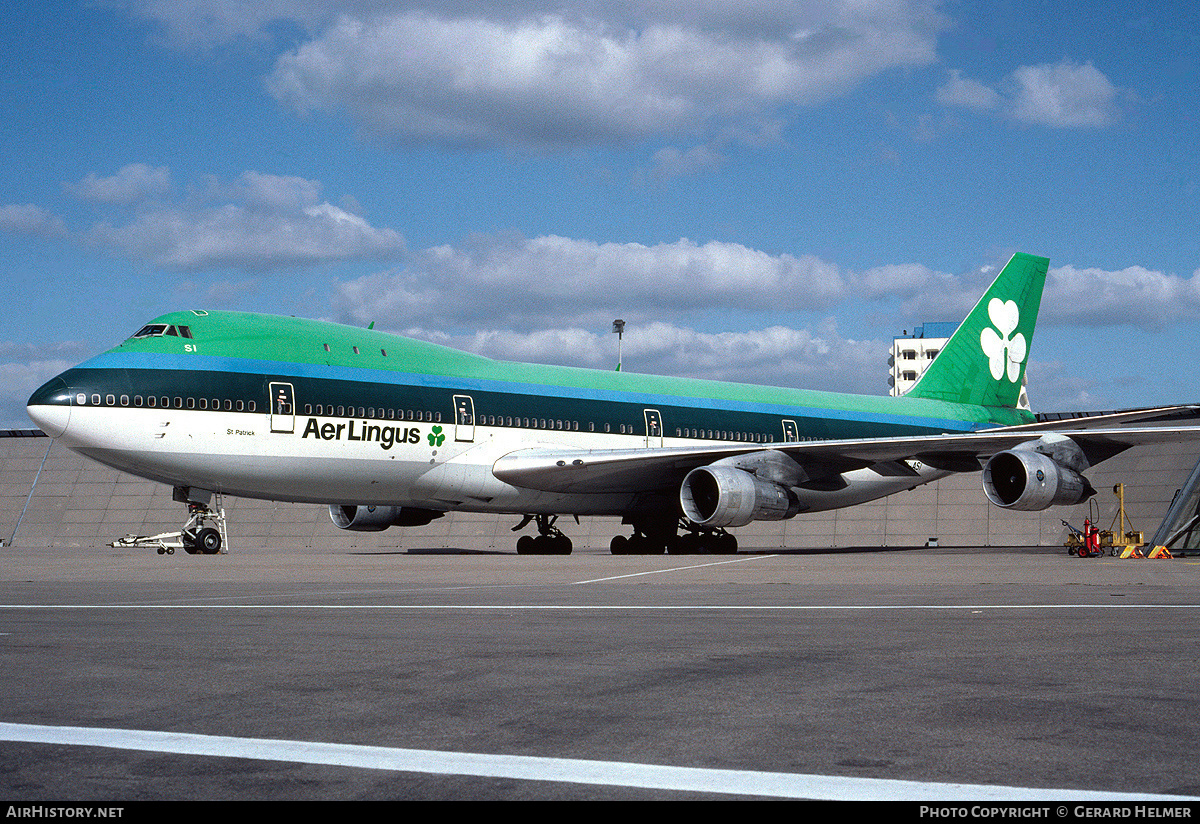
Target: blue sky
[{"x": 764, "y": 191}]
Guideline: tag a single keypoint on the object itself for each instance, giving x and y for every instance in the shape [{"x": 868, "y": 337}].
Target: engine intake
[
  {"x": 717, "y": 496},
  {"x": 1026, "y": 480},
  {"x": 378, "y": 518}
]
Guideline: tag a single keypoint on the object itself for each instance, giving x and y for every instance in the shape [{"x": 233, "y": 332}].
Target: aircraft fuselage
[{"x": 296, "y": 410}]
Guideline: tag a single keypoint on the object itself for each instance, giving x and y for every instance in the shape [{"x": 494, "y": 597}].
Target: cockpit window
[
  {"x": 151, "y": 330},
  {"x": 157, "y": 330}
]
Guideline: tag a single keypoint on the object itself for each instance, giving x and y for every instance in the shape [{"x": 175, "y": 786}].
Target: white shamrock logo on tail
[{"x": 1006, "y": 347}]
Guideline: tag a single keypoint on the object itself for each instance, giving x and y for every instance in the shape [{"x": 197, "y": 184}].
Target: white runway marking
[
  {"x": 531, "y": 768},
  {"x": 973, "y": 608},
  {"x": 673, "y": 569}
]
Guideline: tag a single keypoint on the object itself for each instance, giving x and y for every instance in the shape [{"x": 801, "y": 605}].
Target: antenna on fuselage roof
[
  {"x": 619, "y": 331},
  {"x": 371, "y": 325}
]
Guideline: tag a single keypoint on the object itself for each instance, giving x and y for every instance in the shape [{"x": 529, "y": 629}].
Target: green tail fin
[{"x": 983, "y": 363}]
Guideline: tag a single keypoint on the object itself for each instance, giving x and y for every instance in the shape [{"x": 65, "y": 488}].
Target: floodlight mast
[{"x": 619, "y": 331}]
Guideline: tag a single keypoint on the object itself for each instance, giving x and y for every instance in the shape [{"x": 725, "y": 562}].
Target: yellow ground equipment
[
  {"x": 1117, "y": 535},
  {"x": 1088, "y": 541}
]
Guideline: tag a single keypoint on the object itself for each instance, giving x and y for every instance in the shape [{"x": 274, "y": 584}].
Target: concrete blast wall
[{"x": 78, "y": 503}]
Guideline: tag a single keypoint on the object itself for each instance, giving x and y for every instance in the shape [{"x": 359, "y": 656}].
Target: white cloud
[
  {"x": 131, "y": 184},
  {"x": 535, "y": 283},
  {"x": 259, "y": 221},
  {"x": 904, "y": 280},
  {"x": 552, "y": 282},
  {"x": 1053, "y": 387},
  {"x": 1134, "y": 296},
  {"x": 1064, "y": 94},
  {"x": 673, "y": 162},
  {"x": 1060, "y": 95},
  {"x": 577, "y": 76},
  {"x": 28, "y": 219},
  {"x": 274, "y": 192},
  {"x": 970, "y": 94}
]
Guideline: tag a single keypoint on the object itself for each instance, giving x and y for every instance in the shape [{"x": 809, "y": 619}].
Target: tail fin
[{"x": 983, "y": 363}]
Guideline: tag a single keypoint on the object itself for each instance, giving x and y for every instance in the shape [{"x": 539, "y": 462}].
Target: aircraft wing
[
  {"x": 1086, "y": 421},
  {"x": 647, "y": 469}
]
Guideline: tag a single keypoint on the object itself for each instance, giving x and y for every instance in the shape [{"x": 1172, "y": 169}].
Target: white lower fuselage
[{"x": 323, "y": 460}]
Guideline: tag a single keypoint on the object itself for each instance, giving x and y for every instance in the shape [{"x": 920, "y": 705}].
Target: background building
[{"x": 912, "y": 353}]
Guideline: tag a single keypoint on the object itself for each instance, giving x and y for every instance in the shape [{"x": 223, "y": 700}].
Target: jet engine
[
  {"x": 378, "y": 518},
  {"x": 1029, "y": 480},
  {"x": 719, "y": 496}
]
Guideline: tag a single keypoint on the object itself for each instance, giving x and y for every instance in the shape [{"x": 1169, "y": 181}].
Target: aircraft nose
[{"x": 50, "y": 407}]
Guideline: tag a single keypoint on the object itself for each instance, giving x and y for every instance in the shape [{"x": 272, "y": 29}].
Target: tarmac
[{"x": 283, "y": 673}]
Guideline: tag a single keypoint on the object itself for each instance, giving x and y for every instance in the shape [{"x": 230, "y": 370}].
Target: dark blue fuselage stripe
[{"x": 258, "y": 370}]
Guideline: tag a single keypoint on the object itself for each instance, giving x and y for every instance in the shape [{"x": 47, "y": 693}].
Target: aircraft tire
[
  {"x": 544, "y": 545},
  {"x": 645, "y": 545},
  {"x": 619, "y": 545},
  {"x": 552, "y": 545},
  {"x": 208, "y": 541}
]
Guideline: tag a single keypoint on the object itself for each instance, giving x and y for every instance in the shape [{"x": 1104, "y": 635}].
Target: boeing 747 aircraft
[{"x": 390, "y": 431}]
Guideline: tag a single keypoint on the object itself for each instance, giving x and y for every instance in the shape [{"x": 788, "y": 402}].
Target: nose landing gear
[{"x": 205, "y": 532}]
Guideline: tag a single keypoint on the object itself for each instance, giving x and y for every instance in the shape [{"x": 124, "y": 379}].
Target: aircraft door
[
  {"x": 464, "y": 418},
  {"x": 283, "y": 407},
  {"x": 790, "y": 433},
  {"x": 654, "y": 431}
]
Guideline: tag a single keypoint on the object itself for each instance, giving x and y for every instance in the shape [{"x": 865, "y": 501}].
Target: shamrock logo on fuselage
[
  {"x": 436, "y": 437},
  {"x": 1006, "y": 351}
]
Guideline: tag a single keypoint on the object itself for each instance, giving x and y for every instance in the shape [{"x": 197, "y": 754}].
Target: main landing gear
[
  {"x": 654, "y": 537},
  {"x": 204, "y": 533},
  {"x": 651, "y": 536},
  {"x": 550, "y": 539}
]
